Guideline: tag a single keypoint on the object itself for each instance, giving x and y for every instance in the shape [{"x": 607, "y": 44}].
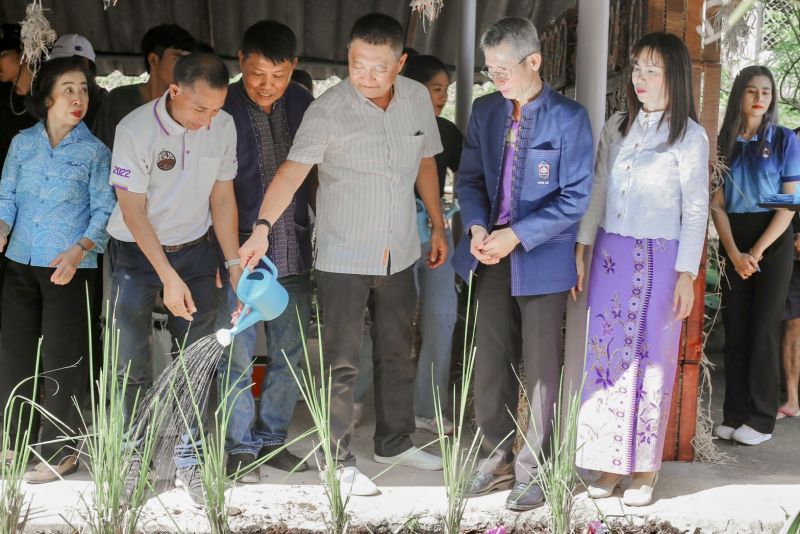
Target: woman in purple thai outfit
[{"x": 647, "y": 221}]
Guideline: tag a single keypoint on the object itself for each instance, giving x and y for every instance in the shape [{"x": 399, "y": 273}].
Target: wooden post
[{"x": 682, "y": 17}]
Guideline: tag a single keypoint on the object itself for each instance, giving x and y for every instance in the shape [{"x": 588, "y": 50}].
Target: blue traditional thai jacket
[{"x": 552, "y": 180}]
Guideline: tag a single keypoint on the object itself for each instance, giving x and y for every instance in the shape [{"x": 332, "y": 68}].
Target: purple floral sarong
[{"x": 631, "y": 356}]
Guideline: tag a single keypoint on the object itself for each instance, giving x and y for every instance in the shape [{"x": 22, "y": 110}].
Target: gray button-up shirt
[{"x": 368, "y": 161}]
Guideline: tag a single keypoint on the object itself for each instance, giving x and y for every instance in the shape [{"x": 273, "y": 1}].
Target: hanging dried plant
[
  {"x": 37, "y": 36},
  {"x": 428, "y": 10},
  {"x": 732, "y": 23}
]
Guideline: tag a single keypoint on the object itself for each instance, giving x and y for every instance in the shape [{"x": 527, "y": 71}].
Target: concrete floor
[{"x": 755, "y": 493}]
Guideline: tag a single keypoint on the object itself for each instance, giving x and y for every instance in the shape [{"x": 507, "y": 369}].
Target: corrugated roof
[{"x": 321, "y": 26}]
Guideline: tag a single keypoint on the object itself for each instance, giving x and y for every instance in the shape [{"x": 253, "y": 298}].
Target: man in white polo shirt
[
  {"x": 172, "y": 167},
  {"x": 373, "y": 137}
]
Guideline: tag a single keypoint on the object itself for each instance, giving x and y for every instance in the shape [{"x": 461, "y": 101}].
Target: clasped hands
[
  {"x": 488, "y": 248},
  {"x": 746, "y": 263}
]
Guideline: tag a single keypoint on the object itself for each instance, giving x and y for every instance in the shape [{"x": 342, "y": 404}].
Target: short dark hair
[
  {"x": 677, "y": 83},
  {"x": 159, "y": 38},
  {"x": 303, "y": 78},
  {"x": 271, "y": 39},
  {"x": 379, "y": 29},
  {"x": 46, "y": 79},
  {"x": 422, "y": 68},
  {"x": 202, "y": 67},
  {"x": 733, "y": 121}
]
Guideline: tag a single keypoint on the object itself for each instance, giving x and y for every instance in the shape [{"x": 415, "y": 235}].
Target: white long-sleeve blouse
[{"x": 645, "y": 188}]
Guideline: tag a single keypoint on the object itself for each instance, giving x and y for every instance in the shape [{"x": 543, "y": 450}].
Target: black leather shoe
[
  {"x": 483, "y": 483},
  {"x": 283, "y": 460},
  {"x": 525, "y": 496}
]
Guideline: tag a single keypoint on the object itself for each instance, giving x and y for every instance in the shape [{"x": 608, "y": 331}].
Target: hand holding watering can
[{"x": 263, "y": 296}]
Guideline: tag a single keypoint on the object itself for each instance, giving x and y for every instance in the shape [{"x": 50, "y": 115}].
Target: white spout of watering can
[{"x": 263, "y": 296}]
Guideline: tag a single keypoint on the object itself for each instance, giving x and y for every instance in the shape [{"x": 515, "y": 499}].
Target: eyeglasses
[
  {"x": 378, "y": 71},
  {"x": 502, "y": 73}
]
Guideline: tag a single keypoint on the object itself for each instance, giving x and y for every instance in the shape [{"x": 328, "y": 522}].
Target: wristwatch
[{"x": 265, "y": 223}]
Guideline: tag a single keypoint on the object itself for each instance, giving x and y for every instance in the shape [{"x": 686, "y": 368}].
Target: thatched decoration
[
  {"x": 705, "y": 448},
  {"x": 732, "y": 23},
  {"x": 37, "y": 36},
  {"x": 428, "y": 10}
]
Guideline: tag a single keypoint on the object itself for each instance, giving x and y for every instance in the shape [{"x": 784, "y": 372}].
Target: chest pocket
[
  {"x": 541, "y": 173},
  {"x": 406, "y": 151},
  {"x": 208, "y": 172}
]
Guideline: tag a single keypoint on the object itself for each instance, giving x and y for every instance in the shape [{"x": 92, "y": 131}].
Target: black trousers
[
  {"x": 394, "y": 300},
  {"x": 35, "y": 307},
  {"x": 751, "y": 312},
  {"x": 510, "y": 330}
]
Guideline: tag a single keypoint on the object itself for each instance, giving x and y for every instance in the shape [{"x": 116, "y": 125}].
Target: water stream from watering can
[{"x": 181, "y": 392}]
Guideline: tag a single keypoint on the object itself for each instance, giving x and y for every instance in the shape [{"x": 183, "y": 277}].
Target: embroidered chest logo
[
  {"x": 544, "y": 172},
  {"x": 765, "y": 153},
  {"x": 165, "y": 160}
]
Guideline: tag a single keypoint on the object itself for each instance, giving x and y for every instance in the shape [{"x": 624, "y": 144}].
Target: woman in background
[
  {"x": 763, "y": 159},
  {"x": 55, "y": 195},
  {"x": 436, "y": 287}
]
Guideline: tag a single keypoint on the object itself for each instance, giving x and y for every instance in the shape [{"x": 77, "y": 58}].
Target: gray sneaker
[
  {"x": 484, "y": 483},
  {"x": 189, "y": 479},
  {"x": 132, "y": 478}
]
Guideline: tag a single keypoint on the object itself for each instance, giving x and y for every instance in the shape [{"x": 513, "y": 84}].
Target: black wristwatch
[{"x": 265, "y": 223}]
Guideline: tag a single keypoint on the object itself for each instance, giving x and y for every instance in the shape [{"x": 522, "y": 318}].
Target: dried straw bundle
[{"x": 37, "y": 36}]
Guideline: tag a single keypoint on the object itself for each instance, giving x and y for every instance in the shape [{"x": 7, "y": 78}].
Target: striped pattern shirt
[{"x": 368, "y": 160}]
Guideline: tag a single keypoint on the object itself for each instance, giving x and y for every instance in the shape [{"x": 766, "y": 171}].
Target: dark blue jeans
[
  {"x": 248, "y": 431},
  {"x": 134, "y": 287}
]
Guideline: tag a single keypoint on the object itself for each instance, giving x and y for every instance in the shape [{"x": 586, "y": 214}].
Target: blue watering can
[
  {"x": 263, "y": 296},
  {"x": 422, "y": 219}
]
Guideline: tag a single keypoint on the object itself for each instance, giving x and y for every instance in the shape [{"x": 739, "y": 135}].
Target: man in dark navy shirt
[{"x": 267, "y": 109}]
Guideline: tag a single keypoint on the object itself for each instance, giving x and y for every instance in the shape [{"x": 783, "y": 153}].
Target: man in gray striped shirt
[{"x": 373, "y": 137}]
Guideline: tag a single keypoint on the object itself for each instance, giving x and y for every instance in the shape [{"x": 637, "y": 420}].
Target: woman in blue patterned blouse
[{"x": 55, "y": 195}]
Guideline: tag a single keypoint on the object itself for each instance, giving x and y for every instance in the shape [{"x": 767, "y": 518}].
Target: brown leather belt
[{"x": 175, "y": 248}]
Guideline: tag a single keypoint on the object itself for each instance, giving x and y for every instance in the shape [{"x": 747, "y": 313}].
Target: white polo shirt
[{"x": 175, "y": 167}]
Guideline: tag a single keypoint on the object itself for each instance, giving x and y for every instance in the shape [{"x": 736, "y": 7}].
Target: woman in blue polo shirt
[
  {"x": 763, "y": 159},
  {"x": 55, "y": 195}
]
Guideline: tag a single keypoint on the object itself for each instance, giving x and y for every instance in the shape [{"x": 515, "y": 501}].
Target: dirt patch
[{"x": 651, "y": 527}]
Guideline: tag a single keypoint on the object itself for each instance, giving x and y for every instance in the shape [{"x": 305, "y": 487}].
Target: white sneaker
[
  {"x": 724, "y": 431},
  {"x": 423, "y": 423},
  {"x": 413, "y": 457},
  {"x": 750, "y": 436},
  {"x": 353, "y": 482}
]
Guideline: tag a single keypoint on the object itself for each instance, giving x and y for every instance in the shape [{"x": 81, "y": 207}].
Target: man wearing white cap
[{"x": 72, "y": 44}]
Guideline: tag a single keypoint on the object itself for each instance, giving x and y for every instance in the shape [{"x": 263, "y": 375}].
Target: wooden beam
[
  {"x": 693, "y": 40},
  {"x": 709, "y": 117},
  {"x": 687, "y": 425},
  {"x": 675, "y": 22},
  {"x": 656, "y": 15}
]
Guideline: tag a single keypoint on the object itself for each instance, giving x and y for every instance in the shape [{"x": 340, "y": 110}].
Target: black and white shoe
[{"x": 190, "y": 480}]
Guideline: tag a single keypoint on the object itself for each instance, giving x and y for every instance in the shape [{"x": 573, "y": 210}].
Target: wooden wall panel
[
  {"x": 682, "y": 17},
  {"x": 656, "y": 15},
  {"x": 676, "y": 17}
]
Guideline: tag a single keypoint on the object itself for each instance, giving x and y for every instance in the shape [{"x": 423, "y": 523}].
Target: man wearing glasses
[
  {"x": 524, "y": 183},
  {"x": 373, "y": 137}
]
